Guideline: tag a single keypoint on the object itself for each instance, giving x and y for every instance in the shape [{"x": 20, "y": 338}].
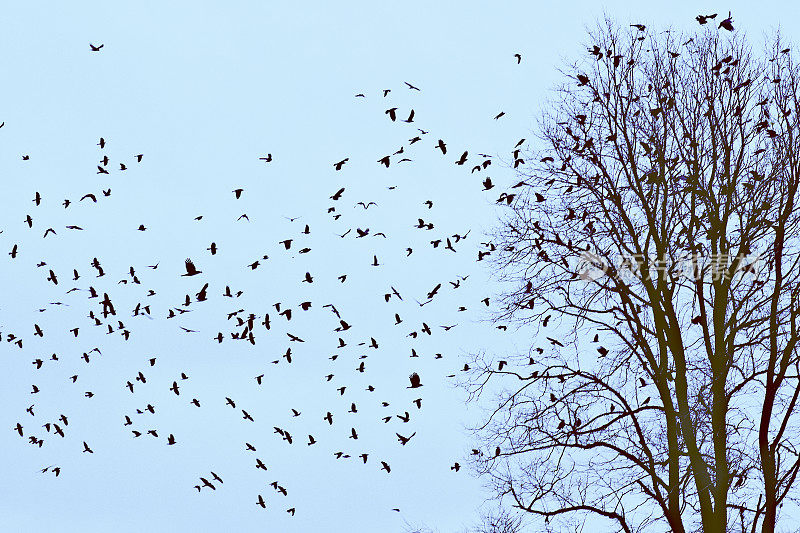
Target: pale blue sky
[{"x": 203, "y": 90}]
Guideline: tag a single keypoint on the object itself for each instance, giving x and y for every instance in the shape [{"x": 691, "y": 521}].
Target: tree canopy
[{"x": 654, "y": 222}]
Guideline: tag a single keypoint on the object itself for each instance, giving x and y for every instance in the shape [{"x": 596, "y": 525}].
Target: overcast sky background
[{"x": 203, "y": 91}]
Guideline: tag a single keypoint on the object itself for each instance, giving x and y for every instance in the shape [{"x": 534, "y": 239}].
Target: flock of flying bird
[
  {"x": 245, "y": 326},
  {"x": 107, "y": 313}
]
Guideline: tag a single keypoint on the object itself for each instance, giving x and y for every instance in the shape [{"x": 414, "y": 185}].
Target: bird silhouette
[
  {"x": 727, "y": 24},
  {"x": 703, "y": 19},
  {"x": 191, "y": 270},
  {"x": 404, "y": 440}
]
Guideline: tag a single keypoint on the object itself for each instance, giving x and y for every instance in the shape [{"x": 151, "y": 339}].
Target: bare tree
[
  {"x": 657, "y": 226},
  {"x": 498, "y": 520}
]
